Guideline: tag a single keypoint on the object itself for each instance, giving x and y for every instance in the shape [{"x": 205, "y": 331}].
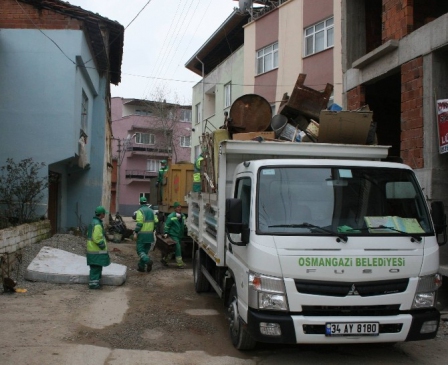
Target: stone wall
[{"x": 15, "y": 238}]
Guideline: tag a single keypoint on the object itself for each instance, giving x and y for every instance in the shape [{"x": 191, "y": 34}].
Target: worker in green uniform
[
  {"x": 97, "y": 254},
  {"x": 174, "y": 228},
  {"x": 162, "y": 171},
  {"x": 197, "y": 174},
  {"x": 144, "y": 234}
]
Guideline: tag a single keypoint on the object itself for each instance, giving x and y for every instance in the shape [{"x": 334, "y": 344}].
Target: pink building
[{"x": 145, "y": 133}]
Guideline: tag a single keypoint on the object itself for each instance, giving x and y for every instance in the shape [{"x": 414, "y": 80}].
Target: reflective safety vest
[
  {"x": 97, "y": 253},
  {"x": 197, "y": 170},
  {"x": 146, "y": 220}
]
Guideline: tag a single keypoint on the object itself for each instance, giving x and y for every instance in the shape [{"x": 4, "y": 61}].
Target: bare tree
[{"x": 164, "y": 120}]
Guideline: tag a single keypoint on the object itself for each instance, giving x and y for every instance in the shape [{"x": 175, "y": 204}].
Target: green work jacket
[
  {"x": 175, "y": 227},
  {"x": 146, "y": 220},
  {"x": 97, "y": 253}
]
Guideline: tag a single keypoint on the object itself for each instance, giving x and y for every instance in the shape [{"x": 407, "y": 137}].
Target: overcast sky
[{"x": 159, "y": 41}]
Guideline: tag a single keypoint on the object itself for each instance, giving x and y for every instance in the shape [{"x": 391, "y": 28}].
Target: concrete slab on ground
[{"x": 58, "y": 266}]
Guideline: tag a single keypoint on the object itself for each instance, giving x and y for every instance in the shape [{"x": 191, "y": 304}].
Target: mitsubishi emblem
[{"x": 353, "y": 290}]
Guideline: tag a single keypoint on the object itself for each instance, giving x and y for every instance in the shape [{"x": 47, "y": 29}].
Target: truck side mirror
[
  {"x": 234, "y": 215},
  {"x": 234, "y": 222},
  {"x": 439, "y": 220}
]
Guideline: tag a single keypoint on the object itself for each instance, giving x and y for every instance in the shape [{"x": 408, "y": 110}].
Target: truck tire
[
  {"x": 201, "y": 283},
  {"x": 241, "y": 339}
]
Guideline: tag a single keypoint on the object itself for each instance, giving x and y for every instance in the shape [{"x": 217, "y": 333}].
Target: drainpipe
[{"x": 203, "y": 93}]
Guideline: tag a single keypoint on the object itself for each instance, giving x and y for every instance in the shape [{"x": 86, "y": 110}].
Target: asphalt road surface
[{"x": 157, "y": 318}]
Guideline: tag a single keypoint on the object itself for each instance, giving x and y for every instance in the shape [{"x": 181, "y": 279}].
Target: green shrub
[{"x": 21, "y": 190}]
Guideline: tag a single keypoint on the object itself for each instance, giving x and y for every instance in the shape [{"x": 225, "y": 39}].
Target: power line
[{"x": 40, "y": 30}]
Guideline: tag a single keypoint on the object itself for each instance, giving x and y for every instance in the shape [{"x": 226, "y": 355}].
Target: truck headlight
[
  {"x": 425, "y": 295},
  {"x": 267, "y": 292}
]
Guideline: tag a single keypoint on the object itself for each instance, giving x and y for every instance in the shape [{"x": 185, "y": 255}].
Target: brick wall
[
  {"x": 397, "y": 19},
  {"x": 412, "y": 113},
  {"x": 356, "y": 98},
  {"x": 18, "y": 15}
]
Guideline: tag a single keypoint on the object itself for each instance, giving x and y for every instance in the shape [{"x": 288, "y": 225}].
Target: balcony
[
  {"x": 140, "y": 175},
  {"x": 148, "y": 150}
]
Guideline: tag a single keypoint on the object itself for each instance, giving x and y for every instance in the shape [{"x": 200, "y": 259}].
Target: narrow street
[{"x": 156, "y": 318}]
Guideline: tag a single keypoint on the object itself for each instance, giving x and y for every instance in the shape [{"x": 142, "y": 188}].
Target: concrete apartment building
[
  {"x": 261, "y": 49},
  {"x": 395, "y": 60},
  {"x": 395, "y": 56},
  {"x": 145, "y": 133}
]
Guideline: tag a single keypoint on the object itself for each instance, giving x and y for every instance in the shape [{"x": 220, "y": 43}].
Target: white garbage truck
[{"x": 317, "y": 243}]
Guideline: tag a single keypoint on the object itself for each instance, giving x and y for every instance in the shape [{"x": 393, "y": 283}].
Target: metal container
[{"x": 249, "y": 113}]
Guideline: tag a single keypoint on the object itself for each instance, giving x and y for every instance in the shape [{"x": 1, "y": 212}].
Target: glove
[
  {"x": 165, "y": 235},
  {"x": 101, "y": 246}
]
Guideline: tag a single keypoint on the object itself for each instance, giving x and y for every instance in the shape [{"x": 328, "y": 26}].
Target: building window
[
  {"x": 142, "y": 112},
  {"x": 267, "y": 58},
  {"x": 185, "y": 141},
  {"x": 152, "y": 165},
  {"x": 84, "y": 111},
  {"x": 319, "y": 37},
  {"x": 227, "y": 95},
  {"x": 198, "y": 113},
  {"x": 145, "y": 138},
  {"x": 185, "y": 115}
]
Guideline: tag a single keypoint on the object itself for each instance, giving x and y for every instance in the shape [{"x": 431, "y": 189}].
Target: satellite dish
[{"x": 244, "y": 5}]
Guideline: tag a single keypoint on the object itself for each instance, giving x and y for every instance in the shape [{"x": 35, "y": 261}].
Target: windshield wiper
[
  {"x": 341, "y": 237},
  {"x": 415, "y": 236}
]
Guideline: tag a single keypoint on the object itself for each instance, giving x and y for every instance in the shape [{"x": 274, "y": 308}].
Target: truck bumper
[{"x": 311, "y": 329}]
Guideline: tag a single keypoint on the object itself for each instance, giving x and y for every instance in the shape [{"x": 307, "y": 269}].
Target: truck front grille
[
  {"x": 342, "y": 289},
  {"x": 347, "y": 310}
]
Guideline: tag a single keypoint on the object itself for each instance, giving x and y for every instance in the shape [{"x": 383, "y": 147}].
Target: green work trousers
[{"x": 96, "y": 271}]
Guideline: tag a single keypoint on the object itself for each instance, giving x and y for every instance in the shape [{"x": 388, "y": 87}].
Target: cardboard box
[
  {"x": 251, "y": 135},
  {"x": 347, "y": 127}
]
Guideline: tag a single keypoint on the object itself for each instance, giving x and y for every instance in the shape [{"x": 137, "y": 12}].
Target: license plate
[{"x": 350, "y": 329}]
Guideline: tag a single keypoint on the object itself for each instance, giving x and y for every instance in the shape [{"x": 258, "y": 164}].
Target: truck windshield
[{"x": 340, "y": 200}]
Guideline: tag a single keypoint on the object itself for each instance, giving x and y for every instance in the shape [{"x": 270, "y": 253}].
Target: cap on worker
[
  {"x": 176, "y": 204},
  {"x": 100, "y": 210},
  {"x": 143, "y": 200}
]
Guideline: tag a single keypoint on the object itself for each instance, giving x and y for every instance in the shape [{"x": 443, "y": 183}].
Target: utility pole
[
  {"x": 123, "y": 144},
  {"x": 119, "y": 160}
]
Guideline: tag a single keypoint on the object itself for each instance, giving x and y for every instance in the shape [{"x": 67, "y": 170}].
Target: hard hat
[
  {"x": 163, "y": 162},
  {"x": 143, "y": 200},
  {"x": 100, "y": 210},
  {"x": 176, "y": 204}
]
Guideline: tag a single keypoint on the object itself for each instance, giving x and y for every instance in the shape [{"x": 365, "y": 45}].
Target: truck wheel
[
  {"x": 241, "y": 339},
  {"x": 201, "y": 283}
]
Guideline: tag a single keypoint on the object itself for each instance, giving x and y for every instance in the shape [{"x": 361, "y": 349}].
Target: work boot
[
  {"x": 164, "y": 262},
  {"x": 179, "y": 262},
  {"x": 149, "y": 266},
  {"x": 141, "y": 269}
]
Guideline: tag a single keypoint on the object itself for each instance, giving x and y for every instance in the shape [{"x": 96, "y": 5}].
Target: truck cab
[
  {"x": 338, "y": 251},
  {"x": 318, "y": 249}
]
